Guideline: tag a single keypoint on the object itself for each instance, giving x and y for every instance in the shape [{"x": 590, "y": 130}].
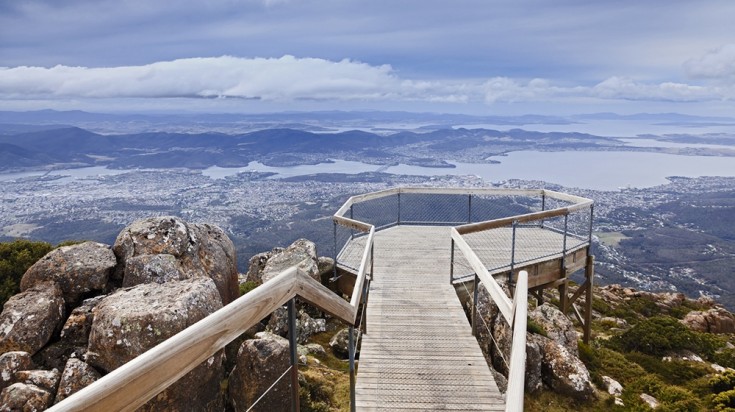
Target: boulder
[
  {"x": 649, "y": 400},
  {"x": 194, "y": 250},
  {"x": 77, "y": 375},
  {"x": 55, "y": 355},
  {"x": 260, "y": 362},
  {"x": 326, "y": 267},
  {"x": 340, "y": 342},
  {"x": 715, "y": 320},
  {"x": 306, "y": 326},
  {"x": 25, "y": 397},
  {"x": 565, "y": 373},
  {"x": 47, "y": 380},
  {"x": 557, "y": 326},
  {"x": 77, "y": 269},
  {"x": 30, "y": 318},
  {"x": 78, "y": 324},
  {"x": 301, "y": 253},
  {"x": 500, "y": 346},
  {"x": 131, "y": 321},
  {"x": 12, "y": 362}
]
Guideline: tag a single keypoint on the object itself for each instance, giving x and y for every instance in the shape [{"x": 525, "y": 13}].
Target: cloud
[
  {"x": 718, "y": 63},
  {"x": 291, "y": 79}
]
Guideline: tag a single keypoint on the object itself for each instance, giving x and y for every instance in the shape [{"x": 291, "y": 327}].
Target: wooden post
[
  {"x": 564, "y": 293},
  {"x": 474, "y": 305},
  {"x": 589, "y": 273},
  {"x": 351, "y": 350},
  {"x": 293, "y": 346}
]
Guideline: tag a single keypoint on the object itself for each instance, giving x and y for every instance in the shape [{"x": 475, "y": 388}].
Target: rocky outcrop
[
  {"x": 79, "y": 323},
  {"x": 558, "y": 327},
  {"x": 77, "y": 269},
  {"x": 534, "y": 359},
  {"x": 257, "y": 264},
  {"x": 30, "y": 318},
  {"x": 301, "y": 253},
  {"x": 715, "y": 320},
  {"x": 260, "y": 362},
  {"x": 184, "y": 251},
  {"x": 76, "y": 376},
  {"x": 46, "y": 380},
  {"x": 25, "y": 397}
]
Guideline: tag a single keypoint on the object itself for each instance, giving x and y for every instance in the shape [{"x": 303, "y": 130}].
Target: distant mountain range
[{"x": 277, "y": 147}]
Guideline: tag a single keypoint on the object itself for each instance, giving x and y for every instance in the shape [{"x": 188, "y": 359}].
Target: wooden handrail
[{"x": 517, "y": 373}]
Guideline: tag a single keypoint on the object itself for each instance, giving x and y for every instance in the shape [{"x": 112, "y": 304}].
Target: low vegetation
[{"x": 15, "y": 258}]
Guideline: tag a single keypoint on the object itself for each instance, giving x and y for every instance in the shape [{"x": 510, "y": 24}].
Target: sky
[{"x": 462, "y": 56}]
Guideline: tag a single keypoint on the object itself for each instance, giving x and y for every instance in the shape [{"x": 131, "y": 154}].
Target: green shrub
[
  {"x": 15, "y": 258},
  {"x": 658, "y": 335},
  {"x": 671, "y": 398},
  {"x": 724, "y": 401},
  {"x": 247, "y": 287},
  {"x": 725, "y": 357},
  {"x": 616, "y": 366},
  {"x": 723, "y": 382},
  {"x": 677, "y": 372}
]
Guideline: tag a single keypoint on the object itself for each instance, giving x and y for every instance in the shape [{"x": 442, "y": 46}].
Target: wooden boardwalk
[{"x": 419, "y": 353}]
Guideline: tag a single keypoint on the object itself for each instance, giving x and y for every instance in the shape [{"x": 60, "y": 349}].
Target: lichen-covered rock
[
  {"x": 652, "y": 402},
  {"x": 715, "y": 320},
  {"x": 301, "y": 253},
  {"x": 131, "y": 321},
  {"x": 152, "y": 269},
  {"x": 76, "y": 269},
  {"x": 78, "y": 324},
  {"x": 77, "y": 375},
  {"x": 55, "y": 355},
  {"x": 12, "y": 362},
  {"x": 25, "y": 397},
  {"x": 612, "y": 386},
  {"x": 557, "y": 326},
  {"x": 30, "y": 318},
  {"x": 48, "y": 380},
  {"x": 260, "y": 362},
  {"x": 199, "y": 250},
  {"x": 534, "y": 358},
  {"x": 565, "y": 373},
  {"x": 306, "y": 326},
  {"x": 326, "y": 267},
  {"x": 340, "y": 342}
]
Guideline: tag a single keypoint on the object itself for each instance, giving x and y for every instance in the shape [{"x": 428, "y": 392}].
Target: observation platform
[{"x": 419, "y": 352}]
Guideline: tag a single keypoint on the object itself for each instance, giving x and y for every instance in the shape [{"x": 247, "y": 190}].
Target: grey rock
[
  {"x": 306, "y": 326},
  {"x": 76, "y": 269},
  {"x": 30, "y": 318},
  {"x": 339, "y": 342},
  {"x": 534, "y": 359},
  {"x": 77, "y": 375},
  {"x": 649, "y": 400},
  {"x": 612, "y": 386},
  {"x": 256, "y": 266},
  {"x": 301, "y": 253},
  {"x": 55, "y": 355},
  {"x": 12, "y": 362},
  {"x": 131, "y": 321},
  {"x": 565, "y": 373},
  {"x": 24, "y": 397},
  {"x": 558, "y": 326},
  {"x": 48, "y": 380},
  {"x": 260, "y": 362},
  {"x": 152, "y": 269}
]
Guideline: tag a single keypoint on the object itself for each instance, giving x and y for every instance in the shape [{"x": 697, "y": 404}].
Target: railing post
[
  {"x": 451, "y": 264},
  {"x": 512, "y": 254},
  {"x": 293, "y": 346},
  {"x": 474, "y": 305},
  {"x": 469, "y": 208},
  {"x": 352, "y": 231},
  {"x": 399, "y": 208},
  {"x": 351, "y": 350},
  {"x": 564, "y": 245},
  {"x": 334, "y": 269},
  {"x": 543, "y": 206},
  {"x": 592, "y": 212}
]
